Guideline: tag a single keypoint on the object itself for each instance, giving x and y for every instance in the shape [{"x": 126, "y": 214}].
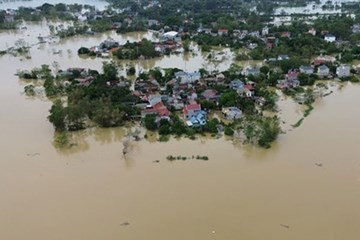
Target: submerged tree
[{"x": 57, "y": 116}]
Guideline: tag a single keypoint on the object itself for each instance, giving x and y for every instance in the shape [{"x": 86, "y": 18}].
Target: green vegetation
[
  {"x": 132, "y": 51},
  {"x": 29, "y": 90},
  {"x": 259, "y": 130},
  {"x": 100, "y": 103},
  {"x": 229, "y": 131},
  {"x": 62, "y": 139},
  {"x": 298, "y": 123},
  {"x": 308, "y": 110}
]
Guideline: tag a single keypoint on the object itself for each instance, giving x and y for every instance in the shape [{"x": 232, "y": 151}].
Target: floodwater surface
[{"x": 92, "y": 192}]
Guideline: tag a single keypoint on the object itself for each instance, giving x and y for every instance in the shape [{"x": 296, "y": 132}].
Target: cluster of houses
[
  {"x": 322, "y": 71},
  {"x": 185, "y": 92},
  {"x": 106, "y": 48},
  {"x": 269, "y": 39},
  {"x": 84, "y": 77}
]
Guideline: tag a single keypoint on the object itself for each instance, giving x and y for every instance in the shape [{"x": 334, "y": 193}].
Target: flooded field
[
  {"x": 91, "y": 192},
  {"x": 313, "y": 8}
]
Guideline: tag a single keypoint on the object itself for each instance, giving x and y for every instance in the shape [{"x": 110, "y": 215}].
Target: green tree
[
  {"x": 228, "y": 99},
  {"x": 265, "y": 70},
  {"x": 211, "y": 125},
  {"x": 229, "y": 131},
  {"x": 147, "y": 49},
  {"x": 57, "y": 116},
  {"x": 150, "y": 122},
  {"x": 75, "y": 118},
  {"x": 83, "y": 50},
  {"x": 106, "y": 115},
  {"x": 110, "y": 71},
  {"x": 186, "y": 45}
]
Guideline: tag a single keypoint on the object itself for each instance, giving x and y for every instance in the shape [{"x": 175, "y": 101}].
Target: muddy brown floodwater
[{"x": 91, "y": 192}]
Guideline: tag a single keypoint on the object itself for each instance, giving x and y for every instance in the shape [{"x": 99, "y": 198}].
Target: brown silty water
[{"x": 91, "y": 192}]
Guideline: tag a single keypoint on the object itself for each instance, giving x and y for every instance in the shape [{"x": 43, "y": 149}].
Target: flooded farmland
[{"x": 92, "y": 192}]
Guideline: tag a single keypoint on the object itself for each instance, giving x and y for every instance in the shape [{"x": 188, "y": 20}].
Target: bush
[
  {"x": 149, "y": 122},
  {"x": 229, "y": 131},
  {"x": 83, "y": 50},
  {"x": 165, "y": 130}
]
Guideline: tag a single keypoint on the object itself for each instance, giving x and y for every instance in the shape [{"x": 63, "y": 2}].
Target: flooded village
[{"x": 163, "y": 127}]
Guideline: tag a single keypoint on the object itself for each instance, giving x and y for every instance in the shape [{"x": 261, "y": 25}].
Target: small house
[
  {"x": 187, "y": 77},
  {"x": 312, "y": 31},
  {"x": 210, "y": 95},
  {"x": 172, "y": 35},
  {"x": 231, "y": 113},
  {"x": 283, "y": 57},
  {"x": 252, "y": 71},
  {"x": 306, "y": 69},
  {"x": 109, "y": 43},
  {"x": 323, "y": 71},
  {"x": 330, "y": 38},
  {"x": 343, "y": 71},
  {"x": 255, "y": 34},
  {"x": 223, "y": 31},
  {"x": 158, "y": 109},
  {"x": 292, "y": 74},
  {"x": 252, "y": 46},
  {"x": 265, "y": 31},
  {"x": 193, "y": 115},
  {"x": 249, "y": 90},
  {"x": 152, "y": 22},
  {"x": 236, "y": 84},
  {"x": 286, "y": 34},
  {"x": 356, "y": 28}
]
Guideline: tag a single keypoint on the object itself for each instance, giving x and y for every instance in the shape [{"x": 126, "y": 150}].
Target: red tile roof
[
  {"x": 189, "y": 107},
  {"x": 249, "y": 87}
]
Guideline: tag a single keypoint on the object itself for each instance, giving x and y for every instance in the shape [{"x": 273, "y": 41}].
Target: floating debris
[
  {"x": 285, "y": 226},
  {"x": 33, "y": 154},
  {"x": 318, "y": 164},
  {"x": 125, "y": 224}
]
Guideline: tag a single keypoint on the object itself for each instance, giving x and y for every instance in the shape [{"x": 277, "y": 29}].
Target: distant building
[
  {"x": 152, "y": 22},
  {"x": 356, "y": 28},
  {"x": 312, "y": 31},
  {"x": 252, "y": 71},
  {"x": 323, "y": 71},
  {"x": 252, "y": 46},
  {"x": 265, "y": 31},
  {"x": 194, "y": 116},
  {"x": 255, "y": 34},
  {"x": 158, "y": 109},
  {"x": 9, "y": 18},
  {"x": 306, "y": 69},
  {"x": 187, "y": 77},
  {"x": 231, "y": 113},
  {"x": 329, "y": 38},
  {"x": 292, "y": 74},
  {"x": 172, "y": 35},
  {"x": 223, "y": 31},
  {"x": 286, "y": 34},
  {"x": 109, "y": 43},
  {"x": 236, "y": 84},
  {"x": 210, "y": 94},
  {"x": 343, "y": 71},
  {"x": 283, "y": 57}
]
